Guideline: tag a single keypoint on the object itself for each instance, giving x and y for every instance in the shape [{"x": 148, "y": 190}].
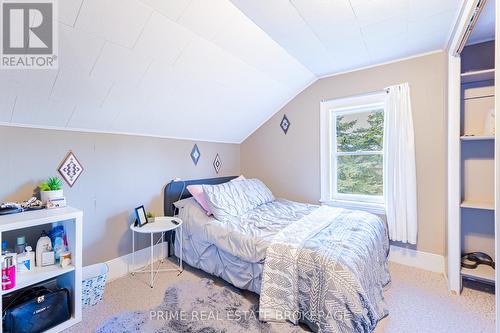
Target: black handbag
[{"x": 36, "y": 309}]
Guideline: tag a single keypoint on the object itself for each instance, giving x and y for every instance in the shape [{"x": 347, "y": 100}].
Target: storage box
[{"x": 93, "y": 284}]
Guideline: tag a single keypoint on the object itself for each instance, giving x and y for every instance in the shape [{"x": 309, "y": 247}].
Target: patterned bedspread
[{"x": 328, "y": 270}]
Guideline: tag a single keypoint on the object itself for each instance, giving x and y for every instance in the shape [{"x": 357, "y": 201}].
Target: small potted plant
[
  {"x": 51, "y": 189},
  {"x": 150, "y": 216}
]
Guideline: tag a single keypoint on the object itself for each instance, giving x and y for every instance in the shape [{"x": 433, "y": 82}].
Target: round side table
[{"x": 160, "y": 225}]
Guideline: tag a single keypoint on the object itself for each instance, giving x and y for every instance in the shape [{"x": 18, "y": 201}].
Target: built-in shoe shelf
[
  {"x": 477, "y": 137},
  {"x": 483, "y": 273},
  {"x": 477, "y": 205},
  {"x": 478, "y": 76}
]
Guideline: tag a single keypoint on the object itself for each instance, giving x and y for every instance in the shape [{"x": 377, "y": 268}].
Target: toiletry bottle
[
  {"x": 58, "y": 246},
  {"x": 20, "y": 244},
  {"x": 8, "y": 271},
  {"x": 25, "y": 260},
  {"x": 43, "y": 245}
]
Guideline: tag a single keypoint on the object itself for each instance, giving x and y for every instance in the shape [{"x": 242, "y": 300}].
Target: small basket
[{"x": 93, "y": 284}]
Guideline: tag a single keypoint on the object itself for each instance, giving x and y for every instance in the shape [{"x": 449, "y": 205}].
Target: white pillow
[{"x": 190, "y": 210}]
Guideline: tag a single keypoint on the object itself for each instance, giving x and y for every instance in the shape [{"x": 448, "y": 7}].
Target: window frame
[{"x": 330, "y": 109}]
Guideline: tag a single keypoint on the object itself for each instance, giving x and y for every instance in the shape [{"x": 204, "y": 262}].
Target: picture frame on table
[{"x": 140, "y": 215}]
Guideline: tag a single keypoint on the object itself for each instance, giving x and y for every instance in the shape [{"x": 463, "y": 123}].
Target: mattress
[{"x": 234, "y": 250}]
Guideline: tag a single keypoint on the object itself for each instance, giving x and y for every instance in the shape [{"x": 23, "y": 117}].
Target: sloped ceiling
[
  {"x": 330, "y": 36},
  {"x": 207, "y": 69}
]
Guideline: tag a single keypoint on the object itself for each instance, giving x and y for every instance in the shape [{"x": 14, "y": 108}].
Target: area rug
[{"x": 197, "y": 307}]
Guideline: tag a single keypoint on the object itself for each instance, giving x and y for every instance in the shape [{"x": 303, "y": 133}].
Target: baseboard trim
[
  {"x": 121, "y": 266},
  {"x": 423, "y": 260}
]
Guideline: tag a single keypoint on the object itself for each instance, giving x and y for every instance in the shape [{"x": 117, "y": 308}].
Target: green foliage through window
[{"x": 361, "y": 134}]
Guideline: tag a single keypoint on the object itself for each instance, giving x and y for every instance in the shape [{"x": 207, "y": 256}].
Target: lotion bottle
[{"x": 44, "y": 244}]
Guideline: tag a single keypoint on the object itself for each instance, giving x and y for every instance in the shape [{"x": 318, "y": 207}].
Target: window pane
[
  {"x": 363, "y": 131},
  {"x": 360, "y": 174}
]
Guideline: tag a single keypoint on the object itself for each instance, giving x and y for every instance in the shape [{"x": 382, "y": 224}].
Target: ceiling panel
[
  {"x": 376, "y": 11},
  {"x": 171, "y": 9},
  {"x": 163, "y": 39},
  {"x": 68, "y": 11},
  {"x": 8, "y": 96},
  {"x": 34, "y": 111},
  {"x": 283, "y": 24},
  {"x": 119, "y": 65},
  {"x": 78, "y": 50},
  {"x": 426, "y": 8},
  {"x": 118, "y": 21},
  {"x": 91, "y": 115},
  {"x": 258, "y": 50},
  {"x": 206, "y": 18}
]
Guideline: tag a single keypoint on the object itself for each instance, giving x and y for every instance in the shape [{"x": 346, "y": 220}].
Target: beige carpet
[{"x": 418, "y": 301}]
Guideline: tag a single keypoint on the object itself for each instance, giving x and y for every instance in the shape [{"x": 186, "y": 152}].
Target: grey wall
[
  {"x": 290, "y": 164},
  {"x": 121, "y": 172}
]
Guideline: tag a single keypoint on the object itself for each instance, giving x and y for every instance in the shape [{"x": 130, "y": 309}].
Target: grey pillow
[
  {"x": 235, "y": 198},
  {"x": 256, "y": 191}
]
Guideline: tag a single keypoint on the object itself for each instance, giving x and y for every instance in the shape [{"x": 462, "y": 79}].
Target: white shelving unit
[
  {"x": 477, "y": 160},
  {"x": 69, "y": 277},
  {"x": 473, "y": 158},
  {"x": 473, "y": 168}
]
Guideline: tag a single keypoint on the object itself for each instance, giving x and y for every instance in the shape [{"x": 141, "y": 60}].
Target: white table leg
[
  {"x": 152, "y": 255},
  {"x": 162, "y": 246},
  {"x": 180, "y": 243},
  {"x": 133, "y": 252}
]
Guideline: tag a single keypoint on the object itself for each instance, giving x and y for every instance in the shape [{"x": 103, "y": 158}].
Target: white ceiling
[
  {"x": 330, "y": 36},
  {"x": 207, "y": 69}
]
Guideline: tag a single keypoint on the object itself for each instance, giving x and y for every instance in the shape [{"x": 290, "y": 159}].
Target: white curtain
[{"x": 400, "y": 178}]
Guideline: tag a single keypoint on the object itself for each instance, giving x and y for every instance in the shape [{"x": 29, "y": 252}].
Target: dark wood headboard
[{"x": 176, "y": 190}]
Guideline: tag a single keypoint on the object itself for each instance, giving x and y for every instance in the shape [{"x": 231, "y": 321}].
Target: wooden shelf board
[
  {"x": 477, "y": 76},
  {"x": 477, "y": 137},
  {"x": 477, "y": 205},
  {"x": 482, "y": 273},
  {"x": 38, "y": 275}
]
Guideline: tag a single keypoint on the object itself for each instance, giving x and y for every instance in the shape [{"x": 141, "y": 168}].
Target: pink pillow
[
  {"x": 241, "y": 177},
  {"x": 197, "y": 193}
]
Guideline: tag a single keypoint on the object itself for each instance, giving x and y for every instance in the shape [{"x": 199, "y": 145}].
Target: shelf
[
  {"x": 477, "y": 137},
  {"x": 38, "y": 275},
  {"x": 482, "y": 273},
  {"x": 38, "y": 217},
  {"x": 477, "y": 205},
  {"x": 477, "y": 76}
]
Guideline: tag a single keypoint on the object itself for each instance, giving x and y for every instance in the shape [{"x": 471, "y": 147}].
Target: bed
[{"x": 323, "y": 266}]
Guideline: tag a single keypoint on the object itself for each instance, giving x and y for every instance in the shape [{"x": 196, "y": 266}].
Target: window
[{"x": 352, "y": 131}]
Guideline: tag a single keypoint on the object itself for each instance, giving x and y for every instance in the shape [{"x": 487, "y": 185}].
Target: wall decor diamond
[
  {"x": 70, "y": 169},
  {"x": 285, "y": 124},
  {"x": 195, "y": 154},
  {"x": 217, "y": 163}
]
